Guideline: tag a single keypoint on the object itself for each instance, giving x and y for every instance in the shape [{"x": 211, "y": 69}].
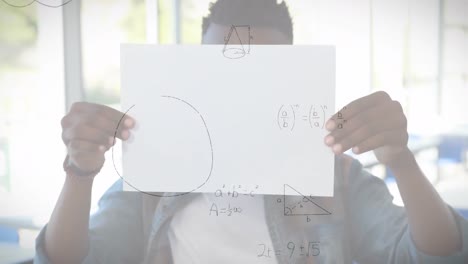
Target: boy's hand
[
  {"x": 374, "y": 122},
  {"x": 88, "y": 132}
]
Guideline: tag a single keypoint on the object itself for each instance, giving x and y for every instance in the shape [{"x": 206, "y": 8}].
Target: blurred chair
[
  {"x": 11, "y": 249},
  {"x": 452, "y": 152},
  {"x": 463, "y": 212},
  {"x": 416, "y": 144},
  {"x": 452, "y": 149},
  {"x": 9, "y": 235}
]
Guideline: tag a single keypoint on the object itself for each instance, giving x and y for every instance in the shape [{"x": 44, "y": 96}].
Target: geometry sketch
[
  {"x": 25, "y": 3},
  {"x": 174, "y": 99},
  {"x": 305, "y": 206},
  {"x": 237, "y": 42}
]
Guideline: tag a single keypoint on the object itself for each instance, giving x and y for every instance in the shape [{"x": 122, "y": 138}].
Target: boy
[{"x": 365, "y": 226}]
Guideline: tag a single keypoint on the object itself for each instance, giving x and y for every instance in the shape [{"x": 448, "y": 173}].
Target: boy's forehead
[{"x": 216, "y": 34}]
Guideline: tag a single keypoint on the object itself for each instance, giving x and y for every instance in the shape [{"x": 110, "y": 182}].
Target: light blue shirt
[{"x": 364, "y": 227}]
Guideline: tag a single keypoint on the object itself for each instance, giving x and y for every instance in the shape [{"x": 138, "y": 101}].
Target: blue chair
[
  {"x": 452, "y": 149},
  {"x": 463, "y": 212},
  {"x": 9, "y": 235}
]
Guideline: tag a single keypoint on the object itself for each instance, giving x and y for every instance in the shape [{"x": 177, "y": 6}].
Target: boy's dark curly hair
[{"x": 255, "y": 13}]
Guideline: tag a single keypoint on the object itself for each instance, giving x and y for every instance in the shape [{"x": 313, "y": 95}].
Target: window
[
  {"x": 32, "y": 102},
  {"x": 124, "y": 22},
  {"x": 454, "y": 60},
  {"x": 32, "y": 96},
  {"x": 405, "y": 56},
  {"x": 101, "y": 36},
  {"x": 345, "y": 25},
  {"x": 415, "y": 50}
]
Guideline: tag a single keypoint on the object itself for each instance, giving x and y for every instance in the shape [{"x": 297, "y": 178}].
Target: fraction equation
[
  {"x": 291, "y": 249},
  {"x": 294, "y": 115},
  {"x": 339, "y": 118}
]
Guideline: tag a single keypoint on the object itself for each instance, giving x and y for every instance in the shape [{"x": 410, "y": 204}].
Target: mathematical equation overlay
[
  {"x": 290, "y": 250},
  {"x": 291, "y": 116}
]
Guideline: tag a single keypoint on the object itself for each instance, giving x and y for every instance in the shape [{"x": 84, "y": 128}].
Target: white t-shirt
[{"x": 206, "y": 231}]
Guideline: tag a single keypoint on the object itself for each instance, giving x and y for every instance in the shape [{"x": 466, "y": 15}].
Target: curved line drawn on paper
[
  {"x": 25, "y": 3},
  {"x": 167, "y": 195}
]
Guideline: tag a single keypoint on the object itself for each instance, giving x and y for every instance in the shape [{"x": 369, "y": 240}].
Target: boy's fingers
[
  {"x": 356, "y": 107},
  {"x": 395, "y": 137},
  {"x": 76, "y": 146},
  {"x": 110, "y": 127},
  {"x": 117, "y": 116},
  {"x": 365, "y": 118},
  {"x": 87, "y": 133},
  {"x": 366, "y": 131},
  {"x": 379, "y": 118},
  {"x": 108, "y": 112}
]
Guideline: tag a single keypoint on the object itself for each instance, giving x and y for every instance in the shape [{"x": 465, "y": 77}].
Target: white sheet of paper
[{"x": 205, "y": 120}]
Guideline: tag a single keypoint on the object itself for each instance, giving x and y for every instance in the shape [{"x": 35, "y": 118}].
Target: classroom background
[{"x": 50, "y": 57}]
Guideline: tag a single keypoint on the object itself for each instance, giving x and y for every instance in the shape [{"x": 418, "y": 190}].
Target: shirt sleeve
[
  {"x": 115, "y": 231},
  {"x": 379, "y": 229}
]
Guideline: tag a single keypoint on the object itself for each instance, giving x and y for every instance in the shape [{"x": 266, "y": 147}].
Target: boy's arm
[
  {"x": 379, "y": 230},
  {"x": 115, "y": 232},
  {"x": 432, "y": 224},
  {"x": 66, "y": 239},
  {"x": 88, "y": 131},
  {"x": 377, "y": 123}
]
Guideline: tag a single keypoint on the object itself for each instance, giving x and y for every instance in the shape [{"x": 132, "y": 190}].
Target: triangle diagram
[{"x": 295, "y": 203}]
